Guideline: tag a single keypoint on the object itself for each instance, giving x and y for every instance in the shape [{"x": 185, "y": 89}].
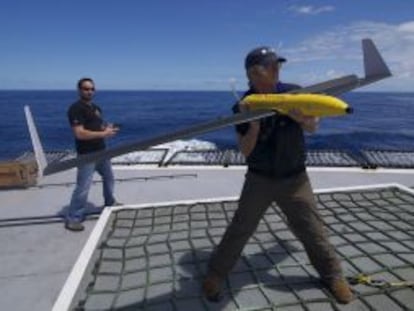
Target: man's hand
[
  {"x": 110, "y": 130},
  {"x": 308, "y": 123}
]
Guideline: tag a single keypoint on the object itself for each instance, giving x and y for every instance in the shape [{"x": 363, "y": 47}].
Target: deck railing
[{"x": 229, "y": 157}]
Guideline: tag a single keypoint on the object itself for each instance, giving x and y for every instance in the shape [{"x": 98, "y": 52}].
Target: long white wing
[
  {"x": 375, "y": 69},
  {"x": 37, "y": 145},
  {"x": 188, "y": 132}
]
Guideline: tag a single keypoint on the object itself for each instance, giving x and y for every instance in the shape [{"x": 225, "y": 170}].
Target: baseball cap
[{"x": 262, "y": 55}]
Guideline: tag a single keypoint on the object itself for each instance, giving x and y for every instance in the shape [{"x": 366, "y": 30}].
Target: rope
[{"x": 368, "y": 280}]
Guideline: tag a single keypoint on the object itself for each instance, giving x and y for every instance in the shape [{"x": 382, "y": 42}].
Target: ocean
[{"x": 381, "y": 121}]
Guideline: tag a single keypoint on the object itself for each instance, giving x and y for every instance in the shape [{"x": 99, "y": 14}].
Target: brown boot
[
  {"x": 340, "y": 290},
  {"x": 212, "y": 287}
]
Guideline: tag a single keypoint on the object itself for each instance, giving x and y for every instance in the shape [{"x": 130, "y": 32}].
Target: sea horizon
[
  {"x": 381, "y": 120},
  {"x": 180, "y": 90}
]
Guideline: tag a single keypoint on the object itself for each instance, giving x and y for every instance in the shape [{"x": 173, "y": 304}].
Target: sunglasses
[{"x": 88, "y": 89}]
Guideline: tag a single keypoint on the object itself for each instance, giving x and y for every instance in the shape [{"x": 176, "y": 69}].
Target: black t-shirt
[
  {"x": 280, "y": 147},
  {"x": 90, "y": 116}
]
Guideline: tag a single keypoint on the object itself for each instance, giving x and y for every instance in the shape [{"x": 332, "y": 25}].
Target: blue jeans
[{"x": 84, "y": 178}]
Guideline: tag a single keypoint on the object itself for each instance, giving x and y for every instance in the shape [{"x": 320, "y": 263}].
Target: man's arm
[
  {"x": 247, "y": 140},
  {"x": 83, "y": 134}
]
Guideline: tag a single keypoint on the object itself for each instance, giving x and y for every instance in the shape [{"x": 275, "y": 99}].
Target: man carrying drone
[{"x": 274, "y": 148}]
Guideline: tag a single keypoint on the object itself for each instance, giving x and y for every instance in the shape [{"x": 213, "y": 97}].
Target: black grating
[
  {"x": 51, "y": 156},
  {"x": 394, "y": 159},
  {"x": 207, "y": 157},
  {"x": 319, "y": 158},
  {"x": 330, "y": 158}
]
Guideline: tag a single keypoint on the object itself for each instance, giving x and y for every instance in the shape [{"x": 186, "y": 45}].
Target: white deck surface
[{"x": 36, "y": 259}]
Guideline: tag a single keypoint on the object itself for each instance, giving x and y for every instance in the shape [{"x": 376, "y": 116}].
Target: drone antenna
[{"x": 232, "y": 82}]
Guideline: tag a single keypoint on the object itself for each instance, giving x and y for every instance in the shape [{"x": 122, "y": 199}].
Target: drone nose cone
[{"x": 349, "y": 110}]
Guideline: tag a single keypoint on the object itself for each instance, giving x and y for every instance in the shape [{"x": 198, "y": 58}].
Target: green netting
[{"x": 156, "y": 258}]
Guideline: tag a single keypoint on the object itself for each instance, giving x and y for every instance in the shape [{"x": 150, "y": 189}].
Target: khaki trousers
[{"x": 295, "y": 198}]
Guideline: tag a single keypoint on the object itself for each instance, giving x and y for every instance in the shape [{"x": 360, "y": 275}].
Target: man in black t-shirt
[
  {"x": 90, "y": 132},
  {"x": 274, "y": 148}
]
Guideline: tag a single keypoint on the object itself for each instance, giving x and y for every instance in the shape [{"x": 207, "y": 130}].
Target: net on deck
[{"x": 156, "y": 258}]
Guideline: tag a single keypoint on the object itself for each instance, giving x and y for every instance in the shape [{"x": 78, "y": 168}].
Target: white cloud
[
  {"x": 340, "y": 49},
  {"x": 407, "y": 27},
  {"x": 311, "y": 10}
]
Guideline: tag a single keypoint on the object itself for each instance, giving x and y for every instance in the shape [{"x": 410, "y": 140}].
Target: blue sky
[{"x": 197, "y": 45}]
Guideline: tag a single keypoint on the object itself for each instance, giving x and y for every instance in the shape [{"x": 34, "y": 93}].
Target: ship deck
[{"x": 151, "y": 253}]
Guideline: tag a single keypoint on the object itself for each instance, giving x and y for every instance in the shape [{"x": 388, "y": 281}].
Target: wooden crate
[{"x": 20, "y": 174}]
